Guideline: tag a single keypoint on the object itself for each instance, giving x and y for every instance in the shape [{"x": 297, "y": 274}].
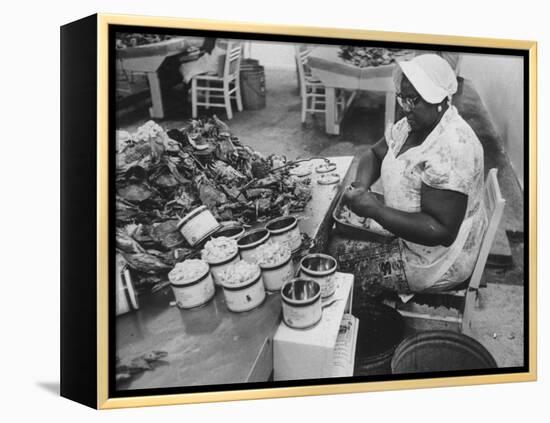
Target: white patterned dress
[{"x": 450, "y": 158}]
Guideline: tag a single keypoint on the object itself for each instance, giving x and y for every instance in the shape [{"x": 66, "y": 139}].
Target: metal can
[
  {"x": 285, "y": 231},
  {"x": 231, "y": 230},
  {"x": 276, "y": 276},
  {"x": 216, "y": 268},
  {"x": 245, "y": 296},
  {"x": 250, "y": 241},
  {"x": 126, "y": 297},
  {"x": 321, "y": 268},
  {"x": 198, "y": 225},
  {"x": 301, "y": 301},
  {"x": 194, "y": 293}
]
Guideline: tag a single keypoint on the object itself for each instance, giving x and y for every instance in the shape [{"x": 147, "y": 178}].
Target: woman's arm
[
  {"x": 368, "y": 170},
  {"x": 438, "y": 222}
]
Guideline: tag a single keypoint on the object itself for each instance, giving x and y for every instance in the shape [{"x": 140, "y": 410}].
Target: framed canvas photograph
[{"x": 256, "y": 211}]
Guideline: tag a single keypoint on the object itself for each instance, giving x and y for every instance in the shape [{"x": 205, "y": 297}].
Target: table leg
[
  {"x": 156, "y": 110},
  {"x": 332, "y": 123},
  {"x": 390, "y": 108}
]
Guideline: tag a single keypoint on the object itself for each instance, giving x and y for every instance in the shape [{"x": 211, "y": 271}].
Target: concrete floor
[{"x": 498, "y": 320}]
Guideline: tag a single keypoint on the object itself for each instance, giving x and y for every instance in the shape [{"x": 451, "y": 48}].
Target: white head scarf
[{"x": 431, "y": 76}]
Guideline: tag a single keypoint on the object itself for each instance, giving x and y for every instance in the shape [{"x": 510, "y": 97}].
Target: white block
[{"x": 308, "y": 354}]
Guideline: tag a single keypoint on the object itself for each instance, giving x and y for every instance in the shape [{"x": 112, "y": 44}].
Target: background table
[
  {"x": 336, "y": 74},
  {"x": 211, "y": 345},
  {"x": 148, "y": 59}
]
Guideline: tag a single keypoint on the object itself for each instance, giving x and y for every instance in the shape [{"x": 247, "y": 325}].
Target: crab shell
[{"x": 135, "y": 193}]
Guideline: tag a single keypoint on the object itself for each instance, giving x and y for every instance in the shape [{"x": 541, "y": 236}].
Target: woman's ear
[{"x": 441, "y": 107}]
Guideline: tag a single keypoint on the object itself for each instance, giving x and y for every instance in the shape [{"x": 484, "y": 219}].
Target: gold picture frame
[{"x": 102, "y": 398}]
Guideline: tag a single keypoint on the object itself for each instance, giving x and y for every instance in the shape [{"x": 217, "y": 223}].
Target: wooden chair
[
  {"x": 463, "y": 300},
  {"x": 208, "y": 89},
  {"x": 312, "y": 90}
]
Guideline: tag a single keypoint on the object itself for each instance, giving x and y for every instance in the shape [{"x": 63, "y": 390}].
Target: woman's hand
[
  {"x": 350, "y": 195},
  {"x": 362, "y": 202}
]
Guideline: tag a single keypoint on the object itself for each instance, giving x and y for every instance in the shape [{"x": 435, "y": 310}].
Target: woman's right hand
[
  {"x": 351, "y": 193},
  {"x": 363, "y": 202}
]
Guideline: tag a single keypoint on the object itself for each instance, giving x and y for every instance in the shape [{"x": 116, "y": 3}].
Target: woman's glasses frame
[{"x": 407, "y": 103}]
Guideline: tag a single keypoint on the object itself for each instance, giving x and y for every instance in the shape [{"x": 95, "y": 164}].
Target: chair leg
[
  {"x": 227, "y": 101},
  {"x": 470, "y": 302},
  {"x": 239, "y": 97},
  {"x": 298, "y": 76},
  {"x": 304, "y": 107},
  {"x": 207, "y": 95},
  {"x": 194, "y": 98}
]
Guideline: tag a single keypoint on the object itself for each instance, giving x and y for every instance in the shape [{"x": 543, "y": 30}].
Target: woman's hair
[
  {"x": 209, "y": 44},
  {"x": 397, "y": 78}
]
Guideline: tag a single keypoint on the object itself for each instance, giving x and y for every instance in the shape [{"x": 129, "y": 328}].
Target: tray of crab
[{"x": 353, "y": 226}]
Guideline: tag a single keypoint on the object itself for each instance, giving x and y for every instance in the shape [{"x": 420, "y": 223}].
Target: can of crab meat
[
  {"x": 285, "y": 231},
  {"x": 126, "y": 297},
  {"x": 275, "y": 276},
  {"x": 246, "y": 295},
  {"x": 198, "y": 225},
  {"x": 218, "y": 267},
  {"x": 249, "y": 243},
  {"x": 195, "y": 291}
]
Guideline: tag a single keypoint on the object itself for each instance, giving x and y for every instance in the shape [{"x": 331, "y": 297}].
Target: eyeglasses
[{"x": 407, "y": 103}]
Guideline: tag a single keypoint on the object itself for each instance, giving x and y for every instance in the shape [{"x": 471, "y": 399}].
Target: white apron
[{"x": 420, "y": 274}]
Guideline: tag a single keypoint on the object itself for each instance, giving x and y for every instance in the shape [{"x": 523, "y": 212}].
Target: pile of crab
[
  {"x": 163, "y": 175},
  {"x": 364, "y": 57}
]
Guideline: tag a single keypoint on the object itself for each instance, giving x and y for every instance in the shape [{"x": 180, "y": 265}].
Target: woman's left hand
[{"x": 366, "y": 204}]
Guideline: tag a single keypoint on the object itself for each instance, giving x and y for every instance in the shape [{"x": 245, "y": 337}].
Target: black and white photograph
[{"x": 293, "y": 211}]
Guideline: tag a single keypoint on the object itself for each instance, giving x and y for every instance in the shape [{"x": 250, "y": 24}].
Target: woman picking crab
[{"x": 430, "y": 164}]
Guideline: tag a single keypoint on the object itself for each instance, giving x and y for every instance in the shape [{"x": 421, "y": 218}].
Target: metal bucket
[
  {"x": 252, "y": 86},
  {"x": 440, "y": 350},
  {"x": 381, "y": 329}
]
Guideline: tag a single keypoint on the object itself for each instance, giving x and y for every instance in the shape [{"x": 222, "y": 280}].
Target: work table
[{"x": 211, "y": 345}]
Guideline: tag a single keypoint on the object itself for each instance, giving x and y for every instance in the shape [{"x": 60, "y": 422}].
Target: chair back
[
  {"x": 494, "y": 207},
  {"x": 302, "y": 53},
  {"x": 233, "y": 58}
]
